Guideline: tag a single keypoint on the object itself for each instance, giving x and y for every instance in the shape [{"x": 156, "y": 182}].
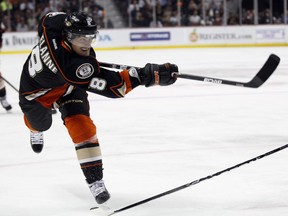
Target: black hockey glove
[{"x": 154, "y": 74}]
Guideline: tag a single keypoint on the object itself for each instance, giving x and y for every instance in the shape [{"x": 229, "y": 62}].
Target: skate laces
[
  {"x": 36, "y": 138},
  {"x": 97, "y": 187}
]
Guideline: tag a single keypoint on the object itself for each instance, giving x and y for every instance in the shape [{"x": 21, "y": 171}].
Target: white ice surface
[{"x": 159, "y": 138}]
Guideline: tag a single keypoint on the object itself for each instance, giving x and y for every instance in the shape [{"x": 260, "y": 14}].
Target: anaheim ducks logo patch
[{"x": 84, "y": 71}]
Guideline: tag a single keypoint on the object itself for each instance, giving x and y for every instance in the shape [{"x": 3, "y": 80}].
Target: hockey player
[
  {"x": 59, "y": 71},
  {"x": 5, "y": 104}
]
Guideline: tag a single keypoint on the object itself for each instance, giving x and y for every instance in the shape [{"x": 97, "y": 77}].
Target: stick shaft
[
  {"x": 10, "y": 84},
  {"x": 263, "y": 74},
  {"x": 199, "y": 180}
]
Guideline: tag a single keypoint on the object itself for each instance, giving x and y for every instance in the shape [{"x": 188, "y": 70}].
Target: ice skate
[
  {"x": 99, "y": 191},
  {"x": 36, "y": 140},
  {"x": 5, "y": 104}
]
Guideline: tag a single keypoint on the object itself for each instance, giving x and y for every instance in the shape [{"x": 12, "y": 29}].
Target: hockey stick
[
  {"x": 264, "y": 73},
  {"x": 9, "y": 83},
  {"x": 194, "y": 182}
]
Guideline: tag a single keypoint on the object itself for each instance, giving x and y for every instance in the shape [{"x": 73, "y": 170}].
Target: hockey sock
[{"x": 90, "y": 159}]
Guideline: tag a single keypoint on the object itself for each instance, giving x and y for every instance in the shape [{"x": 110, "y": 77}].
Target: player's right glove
[{"x": 154, "y": 74}]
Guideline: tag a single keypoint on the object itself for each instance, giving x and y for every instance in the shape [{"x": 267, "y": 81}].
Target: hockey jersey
[{"x": 52, "y": 69}]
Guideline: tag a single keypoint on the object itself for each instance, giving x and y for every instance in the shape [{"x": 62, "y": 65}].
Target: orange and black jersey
[{"x": 54, "y": 69}]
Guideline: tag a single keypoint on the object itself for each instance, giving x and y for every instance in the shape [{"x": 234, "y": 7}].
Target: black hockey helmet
[{"x": 79, "y": 24}]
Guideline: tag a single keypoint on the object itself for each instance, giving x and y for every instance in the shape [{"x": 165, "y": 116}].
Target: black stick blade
[{"x": 265, "y": 72}]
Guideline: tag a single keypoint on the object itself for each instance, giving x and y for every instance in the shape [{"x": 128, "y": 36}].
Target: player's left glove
[{"x": 154, "y": 74}]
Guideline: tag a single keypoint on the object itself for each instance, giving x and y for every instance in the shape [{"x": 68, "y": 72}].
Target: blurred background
[{"x": 20, "y": 16}]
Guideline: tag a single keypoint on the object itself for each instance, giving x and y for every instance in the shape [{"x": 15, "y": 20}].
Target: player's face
[
  {"x": 82, "y": 44},
  {"x": 81, "y": 50}
]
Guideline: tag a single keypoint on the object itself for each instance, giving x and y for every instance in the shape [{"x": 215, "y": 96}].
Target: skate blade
[{"x": 102, "y": 210}]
